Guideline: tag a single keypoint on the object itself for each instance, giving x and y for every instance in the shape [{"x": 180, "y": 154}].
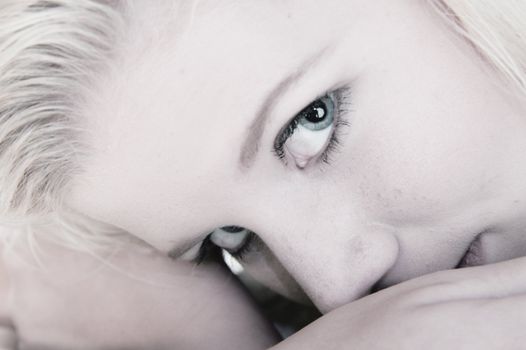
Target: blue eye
[
  {"x": 319, "y": 115},
  {"x": 313, "y": 133}
]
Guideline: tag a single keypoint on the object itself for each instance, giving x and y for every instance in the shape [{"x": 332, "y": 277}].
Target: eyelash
[
  {"x": 342, "y": 97},
  {"x": 209, "y": 249}
]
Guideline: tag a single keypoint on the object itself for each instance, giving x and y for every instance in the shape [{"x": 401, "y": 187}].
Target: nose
[{"x": 335, "y": 260}]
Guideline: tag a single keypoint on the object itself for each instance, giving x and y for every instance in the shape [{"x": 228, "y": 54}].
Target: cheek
[
  {"x": 427, "y": 129},
  {"x": 411, "y": 164}
]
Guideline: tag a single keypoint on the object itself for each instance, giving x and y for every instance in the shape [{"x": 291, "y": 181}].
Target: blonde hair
[
  {"x": 497, "y": 30},
  {"x": 51, "y": 49}
]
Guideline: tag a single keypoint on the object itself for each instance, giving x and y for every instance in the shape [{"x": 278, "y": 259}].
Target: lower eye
[
  {"x": 230, "y": 239},
  {"x": 235, "y": 240}
]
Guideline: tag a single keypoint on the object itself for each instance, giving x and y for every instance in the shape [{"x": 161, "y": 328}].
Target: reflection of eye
[
  {"x": 230, "y": 238},
  {"x": 312, "y": 134}
]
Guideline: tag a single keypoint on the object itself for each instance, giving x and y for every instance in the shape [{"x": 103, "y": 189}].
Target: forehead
[
  {"x": 185, "y": 63},
  {"x": 214, "y": 68},
  {"x": 223, "y": 49},
  {"x": 167, "y": 123}
]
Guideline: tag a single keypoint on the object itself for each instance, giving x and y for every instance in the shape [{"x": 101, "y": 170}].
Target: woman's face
[{"x": 198, "y": 126}]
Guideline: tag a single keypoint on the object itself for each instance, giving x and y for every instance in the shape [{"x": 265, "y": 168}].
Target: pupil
[{"x": 316, "y": 112}]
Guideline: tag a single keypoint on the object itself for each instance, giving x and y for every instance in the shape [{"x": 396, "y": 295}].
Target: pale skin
[
  {"x": 135, "y": 299},
  {"x": 433, "y": 157}
]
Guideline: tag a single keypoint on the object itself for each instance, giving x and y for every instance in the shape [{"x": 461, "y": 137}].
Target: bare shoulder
[
  {"x": 134, "y": 298},
  {"x": 7, "y": 334}
]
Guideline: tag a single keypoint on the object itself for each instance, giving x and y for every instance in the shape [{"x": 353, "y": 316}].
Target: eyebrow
[
  {"x": 250, "y": 147},
  {"x": 255, "y": 131}
]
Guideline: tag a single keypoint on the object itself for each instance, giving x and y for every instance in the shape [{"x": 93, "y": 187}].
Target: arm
[
  {"x": 471, "y": 308},
  {"x": 136, "y": 299}
]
